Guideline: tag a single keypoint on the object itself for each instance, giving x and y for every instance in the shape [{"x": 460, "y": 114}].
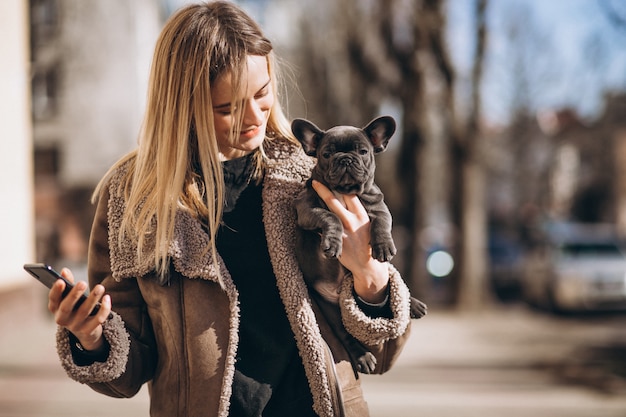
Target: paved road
[{"x": 505, "y": 363}]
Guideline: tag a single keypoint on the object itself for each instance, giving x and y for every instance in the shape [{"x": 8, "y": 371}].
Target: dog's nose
[{"x": 346, "y": 160}]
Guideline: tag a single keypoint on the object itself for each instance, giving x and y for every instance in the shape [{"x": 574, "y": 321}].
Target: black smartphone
[{"x": 48, "y": 276}]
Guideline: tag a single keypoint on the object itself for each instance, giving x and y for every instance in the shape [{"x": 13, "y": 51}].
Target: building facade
[{"x": 90, "y": 65}]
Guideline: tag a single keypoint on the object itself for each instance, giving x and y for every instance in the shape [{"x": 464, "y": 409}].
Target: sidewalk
[
  {"x": 32, "y": 382},
  {"x": 511, "y": 362},
  {"x": 505, "y": 363}
]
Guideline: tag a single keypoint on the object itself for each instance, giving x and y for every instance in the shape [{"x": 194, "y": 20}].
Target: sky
[{"x": 573, "y": 54}]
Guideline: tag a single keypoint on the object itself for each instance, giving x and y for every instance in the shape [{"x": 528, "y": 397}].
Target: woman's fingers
[
  {"x": 55, "y": 296},
  {"x": 330, "y": 199},
  {"x": 72, "y": 307},
  {"x": 96, "y": 297},
  {"x": 77, "y": 318},
  {"x": 66, "y": 312},
  {"x": 67, "y": 274},
  {"x": 354, "y": 206},
  {"x": 350, "y": 211},
  {"x": 105, "y": 309}
]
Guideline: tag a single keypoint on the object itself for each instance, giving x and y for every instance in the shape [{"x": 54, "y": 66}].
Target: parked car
[{"x": 581, "y": 267}]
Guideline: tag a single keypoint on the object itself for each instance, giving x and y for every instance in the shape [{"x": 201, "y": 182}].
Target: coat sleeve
[
  {"x": 385, "y": 337},
  {"x": 132, "y": 356}
]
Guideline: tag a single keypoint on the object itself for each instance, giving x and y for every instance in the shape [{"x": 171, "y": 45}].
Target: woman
[{"x": 193, "y": 242}]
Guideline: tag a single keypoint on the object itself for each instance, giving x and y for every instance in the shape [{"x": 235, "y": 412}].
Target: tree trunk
[
  {"x": 470, "y": 286},
  {"x": 473, "y": 284}
]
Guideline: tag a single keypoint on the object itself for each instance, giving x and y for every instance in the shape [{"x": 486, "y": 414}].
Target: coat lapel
[{"x": 284, "y": 180}]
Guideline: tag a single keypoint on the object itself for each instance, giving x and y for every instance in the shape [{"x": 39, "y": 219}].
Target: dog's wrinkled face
[
  {"x": 345, "y": 154},
  {"x": 344, "y": 158}
]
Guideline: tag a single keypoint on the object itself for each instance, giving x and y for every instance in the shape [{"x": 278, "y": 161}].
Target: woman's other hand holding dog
[{"x": 371, "y": 277}]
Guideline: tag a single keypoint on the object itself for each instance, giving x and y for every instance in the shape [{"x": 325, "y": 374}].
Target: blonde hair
[{"x": 176, "y": 165}]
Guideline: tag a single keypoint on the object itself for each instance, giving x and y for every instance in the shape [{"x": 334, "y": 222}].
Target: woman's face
[{"x": 256, "y": 102}]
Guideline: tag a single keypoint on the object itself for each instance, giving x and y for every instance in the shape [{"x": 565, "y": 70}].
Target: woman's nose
[{"x": 253, "y": 114}]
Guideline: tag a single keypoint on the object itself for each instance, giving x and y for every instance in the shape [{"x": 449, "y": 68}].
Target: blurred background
[{"x": 506, "y": 179}]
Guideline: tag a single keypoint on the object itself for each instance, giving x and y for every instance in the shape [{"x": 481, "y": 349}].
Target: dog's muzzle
[{"x": 347, "y": 174}]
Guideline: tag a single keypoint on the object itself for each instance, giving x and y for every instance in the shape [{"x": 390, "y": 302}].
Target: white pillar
[{"x": 16, "y": 178}]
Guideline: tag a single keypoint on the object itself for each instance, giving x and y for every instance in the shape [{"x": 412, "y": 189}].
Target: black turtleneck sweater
[{"x": 269, "y": 375}]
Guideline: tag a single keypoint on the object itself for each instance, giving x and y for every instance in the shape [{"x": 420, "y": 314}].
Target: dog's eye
[
  {"x": 363, "y": 151},
  {"x": 326, "y": 155}
]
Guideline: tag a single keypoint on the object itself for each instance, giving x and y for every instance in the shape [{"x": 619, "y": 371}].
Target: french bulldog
[{"x": 346, "y": 165}]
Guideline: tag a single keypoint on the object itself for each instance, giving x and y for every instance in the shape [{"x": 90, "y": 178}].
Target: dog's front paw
[
  {"x": 383, "y": 251},
  {"x": 331, "y": 247},
  {"x": 366, "y": 363}
]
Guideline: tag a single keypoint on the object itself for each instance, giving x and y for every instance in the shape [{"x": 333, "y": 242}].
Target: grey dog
[{"x": 346, "y": 165}]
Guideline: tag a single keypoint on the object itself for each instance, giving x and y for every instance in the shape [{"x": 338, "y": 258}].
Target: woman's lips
[{"x": 250, "y": 133}]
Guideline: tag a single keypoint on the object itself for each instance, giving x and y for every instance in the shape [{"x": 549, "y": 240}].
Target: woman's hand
[
  {"x": 371, "y": 277},
  {"x": 88, "y": 329}
]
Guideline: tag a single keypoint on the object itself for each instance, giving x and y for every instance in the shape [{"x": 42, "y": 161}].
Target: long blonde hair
[{"x": 176, "y": 165}]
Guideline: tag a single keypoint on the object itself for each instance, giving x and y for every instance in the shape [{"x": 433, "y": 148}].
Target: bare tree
[
  {"x": 615, "y": 12},
  {"x": 375, "y": 51},
  {"x": 529, "y": 70},
  {"x": 397, "y": 50},
  {"x": 468, "y": 191}
]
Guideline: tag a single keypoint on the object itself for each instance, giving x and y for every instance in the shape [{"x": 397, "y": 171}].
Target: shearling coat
[{"x": 181, "y": 338}]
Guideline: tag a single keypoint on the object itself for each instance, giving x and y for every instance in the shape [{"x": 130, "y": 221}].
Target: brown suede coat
[{"x": 182, "y": 337}]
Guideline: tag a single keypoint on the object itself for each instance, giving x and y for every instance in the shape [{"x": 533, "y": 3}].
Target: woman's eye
[
  {"x": 227, "y": 111},
  {"x": 262, "y": 93}
]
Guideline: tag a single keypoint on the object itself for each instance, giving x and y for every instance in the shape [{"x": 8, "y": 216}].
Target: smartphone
[{"x": 48, "y": 276}]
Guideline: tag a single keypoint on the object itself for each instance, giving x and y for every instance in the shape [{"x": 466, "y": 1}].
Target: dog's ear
[
  {"x": 379, "y": 131},
  {"x": 308, "y": 134}
]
